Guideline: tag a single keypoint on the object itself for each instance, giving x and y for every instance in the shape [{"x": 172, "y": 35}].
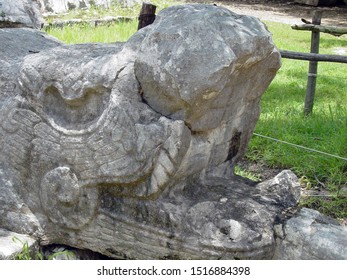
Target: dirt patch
[
  {"x": 285, "y": 11},
  {"x": 259, "y": 169}
]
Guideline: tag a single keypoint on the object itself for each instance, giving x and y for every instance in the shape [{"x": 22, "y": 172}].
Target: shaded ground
[{"x": 285, "y": 11}]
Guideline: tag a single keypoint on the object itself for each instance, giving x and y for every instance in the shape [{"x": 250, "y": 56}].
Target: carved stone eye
[
  {"x": 65, "y": 202},
  {"x": 74, "y": 110}
]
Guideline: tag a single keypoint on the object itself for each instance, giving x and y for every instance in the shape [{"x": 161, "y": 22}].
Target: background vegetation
[
  {"x": 324, "y": 130},
  {"x": 282, "y": 107}
]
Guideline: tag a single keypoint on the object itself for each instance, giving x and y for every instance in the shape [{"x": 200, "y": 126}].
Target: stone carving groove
[{"x": 128, "y": 148}]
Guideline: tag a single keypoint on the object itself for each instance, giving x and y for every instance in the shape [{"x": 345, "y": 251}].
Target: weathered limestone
[
  {"x": 310, "y": 235},
  {"x": 128, "y": 149},
  {"x": 20, "y": 13},
  {"x": 215, "y": 219},
  {"x": 171, "y": 68},
  {"x": 16, "y": 43}
]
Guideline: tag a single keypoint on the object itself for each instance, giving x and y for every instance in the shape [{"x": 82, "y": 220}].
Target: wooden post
[
  {"x": 313, "y": 66},
  {"x": 147, "y": 15}
]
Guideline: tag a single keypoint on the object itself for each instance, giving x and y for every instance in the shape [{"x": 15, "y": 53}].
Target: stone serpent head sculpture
[{"x": 126, "y": 148}]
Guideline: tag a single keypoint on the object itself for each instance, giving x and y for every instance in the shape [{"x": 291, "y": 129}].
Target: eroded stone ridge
[
  {"x": 310, "y": 235},
  {"x": 128, "y": 148}
]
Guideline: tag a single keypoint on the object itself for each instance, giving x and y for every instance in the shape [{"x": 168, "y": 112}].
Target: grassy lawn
[
  {"x": 282, "y": 107},
  {"x": 85, "y": 33},
  {"x": 325, "y": 130}
]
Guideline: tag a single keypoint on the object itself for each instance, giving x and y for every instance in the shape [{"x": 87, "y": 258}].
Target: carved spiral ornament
[{"x": 65, "y": 202}]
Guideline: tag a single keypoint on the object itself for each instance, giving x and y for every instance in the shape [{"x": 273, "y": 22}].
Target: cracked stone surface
[{"x": 310, "y": 235}]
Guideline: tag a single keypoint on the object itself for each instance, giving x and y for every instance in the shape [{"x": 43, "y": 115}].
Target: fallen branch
[{"x": 333, "y": 30}]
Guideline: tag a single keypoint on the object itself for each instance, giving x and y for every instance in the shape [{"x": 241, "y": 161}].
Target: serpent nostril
[{"x": 225, "y": 230}]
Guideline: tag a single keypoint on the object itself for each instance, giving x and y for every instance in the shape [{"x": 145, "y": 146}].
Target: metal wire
[{"x": 300, "y": 147}]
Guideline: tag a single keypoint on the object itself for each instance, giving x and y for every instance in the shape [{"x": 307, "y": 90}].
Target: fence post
[
  {"x": 313, "y": 66},
  {"x": 147, "y": 15}
]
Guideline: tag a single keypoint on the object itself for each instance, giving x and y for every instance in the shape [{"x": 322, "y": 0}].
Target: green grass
[
  {"x": 324, "y": 130},
  {"x": 282, "y": 106},
  {"x": 85, "y": 33},
  {"x": 245, "y": 173},
  {"x": 26, "y": 253},
  {"x": 115, "y": 32},
  {"x": 282, "y": 112}
]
